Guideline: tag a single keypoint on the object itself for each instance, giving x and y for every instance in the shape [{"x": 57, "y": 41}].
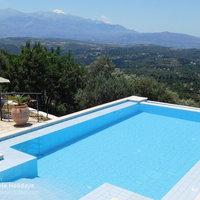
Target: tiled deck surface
[
  {"x": 8, "y": 128},
  {"x": 111, "y": 192}
]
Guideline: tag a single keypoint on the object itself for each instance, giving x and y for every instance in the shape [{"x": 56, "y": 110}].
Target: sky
[{"x": 180, "y": 16}]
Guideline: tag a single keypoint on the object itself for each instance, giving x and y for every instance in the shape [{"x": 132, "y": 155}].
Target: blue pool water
[{"x": 146, "y": 153}]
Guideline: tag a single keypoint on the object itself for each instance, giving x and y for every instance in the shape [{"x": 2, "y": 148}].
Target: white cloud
[
  {"x": 106, "y": 19},
  {"x": 58, "y": 11}
]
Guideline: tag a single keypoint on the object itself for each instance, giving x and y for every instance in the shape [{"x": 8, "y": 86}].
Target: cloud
[
  {"x": 58, "y": 11},
  {"x": 106, "y": 19}
]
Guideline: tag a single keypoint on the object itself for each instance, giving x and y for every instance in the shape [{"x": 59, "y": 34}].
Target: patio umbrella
[{"x": 3, "y": 80}]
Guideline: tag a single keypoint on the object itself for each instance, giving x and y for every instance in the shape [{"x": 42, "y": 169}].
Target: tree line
[{"x": 67, "y": 86}]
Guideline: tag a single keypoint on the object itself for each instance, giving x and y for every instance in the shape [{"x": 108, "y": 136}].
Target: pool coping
[
  {"x": 176, "y": 106},
  {"x": 188, "y": 188}
]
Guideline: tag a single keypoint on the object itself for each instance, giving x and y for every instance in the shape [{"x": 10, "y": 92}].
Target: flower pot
[{"x": 20, "y": 114}]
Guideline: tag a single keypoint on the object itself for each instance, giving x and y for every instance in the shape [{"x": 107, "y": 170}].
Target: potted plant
[{"x": 20, "y": 112}]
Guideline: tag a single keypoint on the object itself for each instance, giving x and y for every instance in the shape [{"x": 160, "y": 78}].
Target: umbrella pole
[{"x": 0, "y": 107}]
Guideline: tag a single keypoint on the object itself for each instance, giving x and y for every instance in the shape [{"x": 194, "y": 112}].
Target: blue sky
[{"x": 181, "y": 16}]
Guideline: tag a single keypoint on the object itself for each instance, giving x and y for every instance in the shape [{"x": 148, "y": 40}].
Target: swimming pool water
[{"x": 147, "y": 154}]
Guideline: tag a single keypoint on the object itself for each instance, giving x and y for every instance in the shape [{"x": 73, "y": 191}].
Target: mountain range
[{"x": 14, "y": 23}]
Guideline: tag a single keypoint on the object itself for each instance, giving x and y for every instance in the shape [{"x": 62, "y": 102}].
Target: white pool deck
[
  {"x": 8, "y": 128},
  {"x": 111, "y": 192},
  {"x": 188, "y": 188}
]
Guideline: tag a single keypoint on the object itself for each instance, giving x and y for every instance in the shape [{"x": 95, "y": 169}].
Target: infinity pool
[{"x": 146, "y": 152}]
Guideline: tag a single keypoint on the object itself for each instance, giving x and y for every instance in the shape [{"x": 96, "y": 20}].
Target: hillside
[
  {"x": 14, "y": 23},
  {"x": 178, "y": 68}
]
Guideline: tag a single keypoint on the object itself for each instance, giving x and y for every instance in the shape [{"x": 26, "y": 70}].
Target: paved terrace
[{"x": 8, "y": 128}]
